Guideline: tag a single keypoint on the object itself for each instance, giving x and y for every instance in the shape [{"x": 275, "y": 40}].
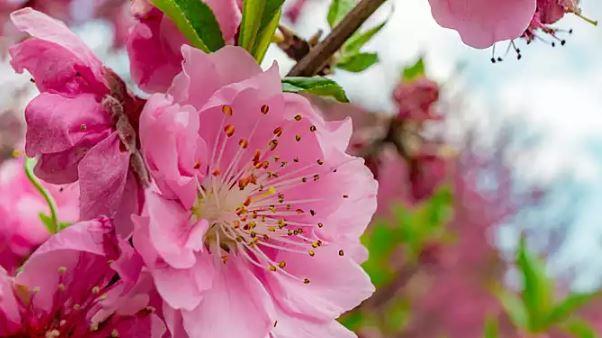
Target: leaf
[
  {"x": 568, "y": 306},
  {"x": 357, "y": 62},
  {"x": 492, "y": 329},
  {"x": 514, "y": 307},
  {"x": 415, "y": 71},
  {"x": 537, "y": 287},
  {"x": 338, "y": 9},
  {"x": 316, "y": 85},
  {"x": 48, "y": 222},
  {"x": 196, "y": 21},
  {"x": 580, "y": 329},
  {"x": 259, "y": 22},
  {"x": 358, "y": 40}
]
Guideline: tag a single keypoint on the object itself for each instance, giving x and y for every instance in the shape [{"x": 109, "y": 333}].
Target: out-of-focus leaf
[
  {"x": 357, "y": 62},
  {"x": 568, "y": 306},
  {"x": 316, "y": 85},
  {"x": 338, "y": 9},
  {"x": 259, "y": 22},
  {"x": 580, "y": 329},
  {"x": 195, "y": 20},
  {"x": 491, "y": 329},
  {"x": 414, "y": 71},
  {"x": 398, "y": 312},
  {"x": 358, "y": 40},
  {"x": 514, "y": 307},
  {"x": 538, "y": 288}
]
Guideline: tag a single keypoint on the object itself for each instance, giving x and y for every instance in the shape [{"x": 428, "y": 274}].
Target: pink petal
[
  {"x": 331, "y": 291},
  {"x": 297, "y": 327},
  {"x": 203, "y": 74},
  {"x": 154, "y": 71},
  {"x": 481, "y": 23},
  {"x": 172, "y": 147},
  {"x": 102, "y": 177},
  {"x": 56, "y": 57},
  {"x": 236, "y": 306},
  {"x": 56, "y": 123}
]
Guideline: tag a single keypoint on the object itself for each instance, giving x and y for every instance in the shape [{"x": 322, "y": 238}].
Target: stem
[
  {"x": 29, "y": 163},
  {"x": 317, "y": 58}
]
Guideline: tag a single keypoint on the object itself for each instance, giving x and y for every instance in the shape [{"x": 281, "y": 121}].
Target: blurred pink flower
[
  {"x": 70, "y": 125},
  {"x": 153, "y": 72},
  {"x": 481, "y": 23},
  {"x": 67, "y": 288},
  {"x": 21, "y": 229},
  {"x": 427, "y": 172},
  {"x": 259, "y": 209},
  {"x": 415, "y": 99}
]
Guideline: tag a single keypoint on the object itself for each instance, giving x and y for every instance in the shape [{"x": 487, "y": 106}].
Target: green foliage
[
  {"x": 338, "y": 9},
  {"x": 316, "y": 85},
  {"x": 538, "y": 288},
  {"x": 195, "y": 20},
  {"x": 259, "y": 22},
  {"x": 535, "y": 308},
  {"x": 414, "y": 71},
  {"x": 357, "y": 62},
  {"x": 492, "y": 329},
  {"x": 580, "y": 329},
  {"x": 351, "y": 58}
]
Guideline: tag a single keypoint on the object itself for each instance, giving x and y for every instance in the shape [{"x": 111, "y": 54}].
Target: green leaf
[
  {"x": 358, "y": 40},
  {"x": 414, "y": 71},
  {"x": 48, "y": 222},
  {"x": 338, "y": 9},
  {"x": 538, "y": 288},
  {"x": 316, "y": 85},
  {"x": 514, "y": 307},
  {"x": 259, "y": 22},
  {"x": 195, "y": 20},
  {"x": 580, "y": 329},
  {"x": 357, "y": 62},
  {"x": 568, "y": 306},
  {"x": 492, "y": 329}
]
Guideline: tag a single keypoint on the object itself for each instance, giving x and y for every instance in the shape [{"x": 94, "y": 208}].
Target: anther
[
  {"x": 298, "y": 137},
  {"x": 243, "y": 143},
  {"x": 278, "y": 131},
  {"x": 306, "y": 281},
  {"x": 311, "y": 253},
  {"x": 229, "y": 130},
  {"x": 341, "y": 253},
  {"x": 227, "y": 110},
  {"x": 312, "y": 128},
  {"x": 298, "y": 117},
  {"x": 265, "y": 109}
]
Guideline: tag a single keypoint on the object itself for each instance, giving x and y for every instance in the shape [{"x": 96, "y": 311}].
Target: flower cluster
[{"x": 218, "y": 206}]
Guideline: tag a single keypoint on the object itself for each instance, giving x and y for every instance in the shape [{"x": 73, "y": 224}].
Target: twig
[{"x": 317, "y": 58}]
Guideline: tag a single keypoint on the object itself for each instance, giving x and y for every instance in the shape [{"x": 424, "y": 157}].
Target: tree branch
[{"x": 317, "y": 58}]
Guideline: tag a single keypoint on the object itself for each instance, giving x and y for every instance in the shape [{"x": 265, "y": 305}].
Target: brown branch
[{"x": 317, "y": 58}]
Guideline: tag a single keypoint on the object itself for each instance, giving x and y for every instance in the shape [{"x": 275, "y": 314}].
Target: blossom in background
[
  {"x": 21, "y": 229},
  {"x": 154, "y": 72},
  {"x": 416, "y": 99},
  {"x": 481, "y": 23},
  {"x": 67, "y": 289},
  {"x": 258, "y": 210},
  {"x": 70, "y": 123}
]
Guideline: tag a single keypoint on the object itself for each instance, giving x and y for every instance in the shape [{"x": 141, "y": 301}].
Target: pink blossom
[
  {"x": 548, "y": 13},
  {"x": 481, "y": 23},
  {"x": 415, "y": 99},
  {"x": 153, "y": 72},
  {"x": 258, "y": 209},
  {"x": 67, "y": 288},
  {"x": 70, "y": 124},
  {"x": 21, "y": 229}
]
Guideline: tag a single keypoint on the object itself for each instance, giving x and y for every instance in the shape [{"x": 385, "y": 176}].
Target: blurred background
[{"x": 490, "y": 174}]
